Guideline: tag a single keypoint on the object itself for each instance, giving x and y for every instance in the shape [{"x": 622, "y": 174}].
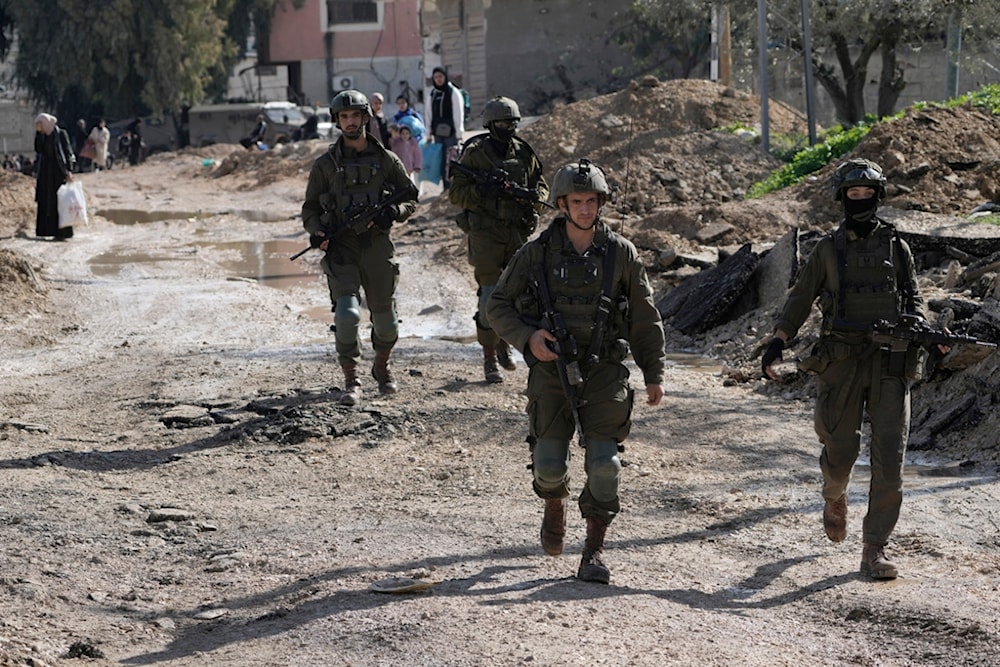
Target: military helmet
[
  {"x": 582, "y": 176},
  {"x": 500, "y": 108},
  {"x": 349, "y": 99},
  {"x": 858, "y": 172}
]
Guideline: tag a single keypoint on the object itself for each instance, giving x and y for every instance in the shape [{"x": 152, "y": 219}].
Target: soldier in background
[
  {"x": 497, "y": 223},
  {"x": 355, "y": 172},
  {"x": 597, "y": 287},
  {"x": 861, "y": 272}
]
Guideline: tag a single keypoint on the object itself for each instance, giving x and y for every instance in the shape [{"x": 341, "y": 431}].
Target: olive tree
[{"x": 846, "y": 34}]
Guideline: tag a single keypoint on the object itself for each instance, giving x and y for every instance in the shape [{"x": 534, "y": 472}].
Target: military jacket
[
  {"x": 878, "y": 282},
  {"x": 343, "y": 178},
  {"x": 575, "y": 284},
  {"x": 485, "y": 154}
]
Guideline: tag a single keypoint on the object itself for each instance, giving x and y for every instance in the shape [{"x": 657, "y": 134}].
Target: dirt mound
[
  {"x": 937, "y": 160},
  {"x": 17, "y": 203},
  {"x": 659, "y": 141},
  {"x": 20, "y": 287}
]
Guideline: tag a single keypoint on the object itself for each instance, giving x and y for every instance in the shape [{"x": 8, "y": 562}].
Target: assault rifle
[
  {"x": 570, "y": 375},
  {"x": 501, "y": 179},
  {"x": 358, "y": 218},
  {"x": 914, "y": 329}
]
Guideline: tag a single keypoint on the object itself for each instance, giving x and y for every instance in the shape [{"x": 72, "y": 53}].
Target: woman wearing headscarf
[
  {"x": 447, "y": 116},
  {"x": 55, "y": 167}
]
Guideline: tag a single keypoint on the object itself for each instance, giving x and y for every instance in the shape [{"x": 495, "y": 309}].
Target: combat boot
[
  {"x": 382, "y": 374},
  {"x": 352, "y": 386},
  {"x": 554, "y": 526},
  {"x": 490, "y": 368},
  {"x": 875, "y": 563},
  {"x": 503, "y": 356},
  {"x": 592, "y": 567},
  {"x": 835, "y": 518}
]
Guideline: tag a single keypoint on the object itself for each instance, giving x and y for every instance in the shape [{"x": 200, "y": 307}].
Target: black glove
[
  {"x": 489, "y": 190},
  {"x": 316, "y": 240},
  {"x": 772, "y": 353},
  {"x": 386, "y": 216}
]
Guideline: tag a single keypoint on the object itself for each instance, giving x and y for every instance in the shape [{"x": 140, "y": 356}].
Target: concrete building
[{"x": 331, "y": 45}]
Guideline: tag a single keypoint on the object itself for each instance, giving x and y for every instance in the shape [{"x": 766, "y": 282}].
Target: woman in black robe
[{"x": 55, "y": 167}]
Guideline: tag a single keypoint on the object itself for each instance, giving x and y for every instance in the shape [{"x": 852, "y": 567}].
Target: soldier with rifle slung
[
  {"x": 864, "y": 277},
  {"x": 498, "y": 183},
  {"x": 356, "y": 191},
  {"x": 574, "y": 301}
]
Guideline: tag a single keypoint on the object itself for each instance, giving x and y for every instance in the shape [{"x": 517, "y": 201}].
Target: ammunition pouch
[
  {"x": 616, "y": 350},
  {"x": 825, "y": 352}
]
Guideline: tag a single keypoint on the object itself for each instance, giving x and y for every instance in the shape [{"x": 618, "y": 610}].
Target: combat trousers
[
  {"x": 606, "y": 419},
  {"x": 490, "y": 249},
  {"x": 846, "y": 390},
  {"x": 354, "y": 264}
]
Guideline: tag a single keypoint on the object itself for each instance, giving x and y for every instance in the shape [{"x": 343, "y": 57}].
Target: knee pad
[
  {"x": 347, "y": 318},
  {"x": 548, "y": 460},
  {"x": 385, "y": 327},
  {"x": 603, "y": 469}
]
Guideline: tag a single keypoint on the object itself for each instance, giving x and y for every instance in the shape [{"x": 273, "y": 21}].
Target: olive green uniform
[
  {"x": 576, "y": 285},
  {"x": 854, "y": 375},
  {"x": 340, "y": 179},
  {"x": 496, "y": 226}
]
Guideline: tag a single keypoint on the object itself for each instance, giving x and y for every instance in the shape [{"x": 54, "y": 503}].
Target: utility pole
[
  {"x": 807, "y": 65},
  {"x": 954, "y": 50},
  {"x": 765, "y": 133}
]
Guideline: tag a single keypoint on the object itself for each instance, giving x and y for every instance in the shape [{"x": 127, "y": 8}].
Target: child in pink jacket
[{"x": 406, "y": 146}]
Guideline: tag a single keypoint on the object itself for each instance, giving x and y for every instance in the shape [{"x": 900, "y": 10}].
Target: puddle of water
[
  {"x": 111, "y": 263},
  {"x": 266, "y": 262},
  {"x": 131, "y": 216}
]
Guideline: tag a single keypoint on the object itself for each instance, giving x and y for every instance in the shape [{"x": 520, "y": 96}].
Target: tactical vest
[
  {"x": 867, "y": 288},
  {"x": 576, "y": 284},
  {"x": 360, "y": 179},
  {"x": 514, "y": 162}
]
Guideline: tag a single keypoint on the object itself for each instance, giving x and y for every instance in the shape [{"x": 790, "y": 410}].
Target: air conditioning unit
[{"x": 343, "y": 83}]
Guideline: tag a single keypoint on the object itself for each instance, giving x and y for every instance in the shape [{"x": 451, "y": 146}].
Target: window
[{"x": 351, "y": 11}]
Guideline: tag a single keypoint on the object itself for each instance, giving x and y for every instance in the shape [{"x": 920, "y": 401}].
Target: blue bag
[{"x": 433, "y": 155}]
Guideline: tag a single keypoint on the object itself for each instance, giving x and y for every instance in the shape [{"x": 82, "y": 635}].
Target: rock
[
  {"x": 187, "y": 416},
  {"x": 169, "y": 514}
]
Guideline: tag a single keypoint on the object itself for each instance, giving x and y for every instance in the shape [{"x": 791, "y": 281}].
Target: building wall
[{"x": 371, "y": 60}]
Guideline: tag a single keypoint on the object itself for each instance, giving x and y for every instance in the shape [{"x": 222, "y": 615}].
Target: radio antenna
[{"x": 628, "y": 165}]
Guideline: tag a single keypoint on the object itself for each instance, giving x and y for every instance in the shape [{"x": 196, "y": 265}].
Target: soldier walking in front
[
  {"x": 500, "y": 187},
  {"x": 574, "y": 301},
  {"x": 355, "y": 176}
]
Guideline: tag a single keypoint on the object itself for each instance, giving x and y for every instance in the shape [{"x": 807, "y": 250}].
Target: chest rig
[
  {"x": 583, "y": 288},
  {"x": 359, "y": 178},
  {"x": 867, "y": 284},
  {"x": 513, "y": 162}
]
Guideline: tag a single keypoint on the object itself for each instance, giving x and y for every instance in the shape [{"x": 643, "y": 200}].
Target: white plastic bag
[{"x": 72, "y": 204}]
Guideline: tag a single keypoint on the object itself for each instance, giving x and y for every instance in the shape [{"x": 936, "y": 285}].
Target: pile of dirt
[
  {"x": 17, "y": 203},
  {"x": 18, "y": 281},
  {"x": 664, "y": 143}
]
